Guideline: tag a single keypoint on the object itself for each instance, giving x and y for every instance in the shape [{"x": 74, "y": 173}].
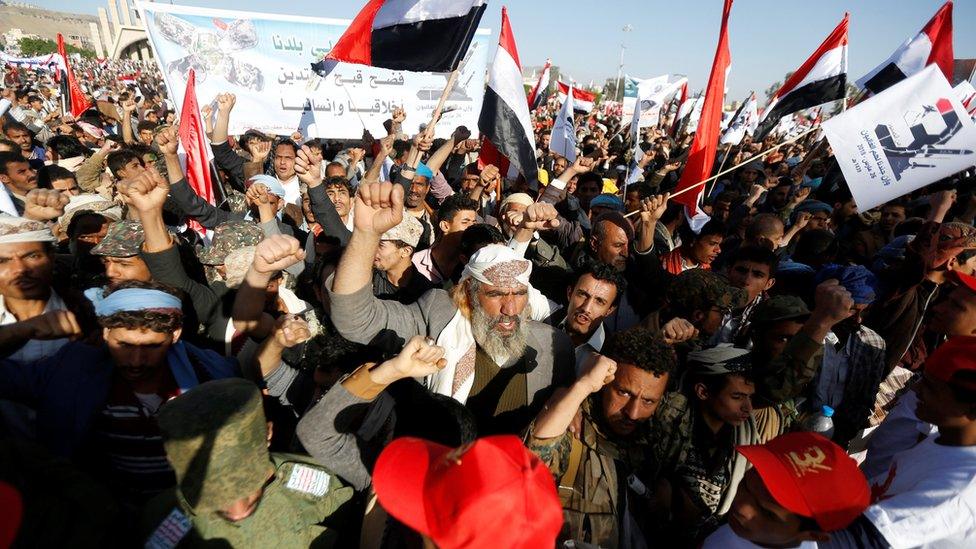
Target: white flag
[
  {"x": 563, "y": 138},
  {"x": 744, "y": 123},
  {"x": 967, "y": 96},
  {"x": 696, "y": 113},
  {"x": 914, "y": 133}
]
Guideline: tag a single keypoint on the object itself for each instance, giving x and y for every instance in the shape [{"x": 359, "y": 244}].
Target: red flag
[
  {"x": 542, "y": 85},
  {"x": 78, "y": 102},
  {"x": 194, "y": 141},
  {"x": 677, "y": 113},
  {"x": 939, "y": 31},
  {"x": 701, "y": 158}
]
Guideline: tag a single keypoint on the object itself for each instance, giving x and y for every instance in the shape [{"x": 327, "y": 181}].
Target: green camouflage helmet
[
  {"x": 123, "y": 239},
  {"x": 700, "y": 290},
  {"x": 216, "y": 439},
  {"x": 779, "y": 307},
  {"x": 228, "y": 237}
]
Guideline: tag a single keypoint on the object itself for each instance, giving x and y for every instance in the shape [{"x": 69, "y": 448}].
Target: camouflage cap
[
  {"x": 216, "y": 439},
  {"x": 779, "y": 307},
  {"x": 228, "y": 237},
  {"x": 720, "y": 360},
  {"x": 123, "y": 239},
  {"x": 700, "y": 289}
]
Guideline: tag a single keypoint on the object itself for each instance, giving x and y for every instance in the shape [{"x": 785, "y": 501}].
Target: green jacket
[{"x": 299, "y": 508}]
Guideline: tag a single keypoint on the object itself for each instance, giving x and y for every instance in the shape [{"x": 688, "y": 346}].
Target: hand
[
  {"x": 259, "y": 149},
  {"x": 356, "y": 154},
  {"x": 168, "y": 141},
  {"x": 309, "y": 169},
  {"x": 225, "y": 102},
  {"x": 833, "y": 302},
  {"x": 297, "y": 137},
  {"x": 423, "y": 142},
  {"x": 206, "y": 111},
  {"x": 277, "y": 253},
  {"x": 800, "y": 196},
  {"x": 379, "y": 207},
  {"x": 597, "y": 372},
  {"x": 802, "y": 219},
  {"x": 583, "y": 164},
  {"x": 145, "y": 192},
  {"x": 672, "y": 166},
  {"x": 489, "y": 176},
  {"x": 44, "y": 204},
  {"x": 399, "y": 115},
  {"x": 386, "y": 148},
  {"x": 942, "y": 200},
  {"x": 54, "y": 325},
  {"x": 678, "y": 330},
  {"x": 653, "y": 207},
  {"x": 460, "y": 135},
  {"x": 755, "y": 192},
  {"x": 539, "y": 216},
  {"x": 258, "y": 194},
  {"x": 129, "y": 106},
  {"x": 291, "y": 330},
  {"x": 419, "y": 358}
]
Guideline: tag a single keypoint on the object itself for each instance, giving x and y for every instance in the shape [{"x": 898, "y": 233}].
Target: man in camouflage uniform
[
  {"x": 605, "y": 492},
  {"x": 229, "y": 487},
  {"x": 119, "y": 251},
  {"x": 703, "y": 298}
]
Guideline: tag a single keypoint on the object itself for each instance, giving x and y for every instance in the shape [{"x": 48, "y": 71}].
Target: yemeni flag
[
  {"x": 822, "y": 78},
  {"x": 540, "y": 92},
  {"x": 78, "y": 103},
  {"x": 682, "y": 102},
  {"x": 582, "y": 100},
  {"x": 417, "y": 35},
  {"x": 932, "y": 45},
  {"x": 701, "y": 156},
  {"x": 505, "y": 122},
  {"x": 194, "y": 141}
]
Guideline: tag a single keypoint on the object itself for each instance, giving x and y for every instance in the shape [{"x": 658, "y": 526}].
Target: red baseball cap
[
  {"x": 811, "y": 476},
  {"x": 963, "y": 280},
  {"x": 492, "y": 493},
  {"x": 13, "y": 511},
  {"x": 957, "y": 354}
]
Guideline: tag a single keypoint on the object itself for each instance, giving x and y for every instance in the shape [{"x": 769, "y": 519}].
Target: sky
[{"x": 767, "y": 37}]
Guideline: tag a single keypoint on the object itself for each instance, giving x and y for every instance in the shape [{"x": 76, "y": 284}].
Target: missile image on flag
[{"x": 903, "y": 154}]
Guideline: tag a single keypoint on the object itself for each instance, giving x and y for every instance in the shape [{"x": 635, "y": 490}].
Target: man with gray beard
[{"x": 499, "y": 362}]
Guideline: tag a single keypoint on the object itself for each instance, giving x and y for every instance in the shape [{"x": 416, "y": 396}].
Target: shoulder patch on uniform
[
  {"x": 169, "y": 533},
  {"x": 308, "y": 480}
]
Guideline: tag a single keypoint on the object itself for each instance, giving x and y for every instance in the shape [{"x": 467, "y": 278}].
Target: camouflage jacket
[
  {"x": 299, "y": 508},
  {"x": 590, "y": 494}
]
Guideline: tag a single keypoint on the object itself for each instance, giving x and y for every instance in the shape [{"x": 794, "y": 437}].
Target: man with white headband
[
  {"x": 501, "y": 364},
  {"x": 109, "y": 394}
]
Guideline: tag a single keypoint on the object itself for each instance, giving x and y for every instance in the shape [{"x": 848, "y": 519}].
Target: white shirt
[
  {"x": 928, "y": 497},
  {"x": 35, "y": 349},
  {"x": 899, "y": 431},
  {"x": 725, "y": 538}
]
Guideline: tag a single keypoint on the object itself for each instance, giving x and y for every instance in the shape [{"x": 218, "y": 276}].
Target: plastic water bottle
[{"x": 821, "y": 422}]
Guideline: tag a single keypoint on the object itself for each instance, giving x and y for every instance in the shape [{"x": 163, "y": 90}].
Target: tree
[
  {"x": 771, "y": 90},
  {"x": 30, "y": 47}
]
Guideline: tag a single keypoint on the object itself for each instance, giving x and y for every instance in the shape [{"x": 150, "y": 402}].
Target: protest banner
[
  {"x": 49, "y": 62},
  {"x": 265, "y": 60},
  {"x": 563, "y": 138},
  {"x": 912, "y": 134}
]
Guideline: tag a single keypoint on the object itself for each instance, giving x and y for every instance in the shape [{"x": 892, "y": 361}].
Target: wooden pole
[
  {"x": 739, "y": 165},
  {"x": 436, "y": 115}
]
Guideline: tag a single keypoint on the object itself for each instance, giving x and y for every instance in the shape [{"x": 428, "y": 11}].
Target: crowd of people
[{"x": 389, "y": 343}]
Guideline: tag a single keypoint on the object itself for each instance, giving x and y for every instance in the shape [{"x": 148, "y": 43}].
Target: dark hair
[
  {"x": 117, "y": 160},
  {"x": 455, "y": 204},
  {"x": 8, "y": 158},
  {"x": 784, "y": 182},
  {"x": 287, "y": 143},
  {"x": 589, "y": 177},
  {"x": 815, "y": 243},
  {"x": 763, "y": 224},
  {"x": 613, "y": 218},
  {"x": 606, "y": 273},
  {"x": 642, "y": 348},
  {"x": 14, "y": 125},
  {"x": 145, "y": 125},
  {"x": 959, "y": 391},
  {"x": 338, "y": 181},
  {"x": 53, "y": 173},
  {"x": 756, "y": 254},
  {"x": 672, "y": 212},
  {"x": 713, "y": 227},
  {"x": 714, "y": 383},
  {"x": 157, "y": 321},
  {"x": 478, "y": 236},
  {"x": 68, "y": 146}
]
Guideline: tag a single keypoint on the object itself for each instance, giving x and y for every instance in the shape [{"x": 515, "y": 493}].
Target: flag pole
[
  {"x": 436, "y": 115},
  {"x": 739, "y": 165}
]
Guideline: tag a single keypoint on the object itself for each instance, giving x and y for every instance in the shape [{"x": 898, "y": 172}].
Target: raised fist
[
  {"x": 539, "y": 216},
  {"x": 291, "y": 330},
  {"x": 461, "y": 134},
  {"x": 308, "y": 167},
  {"x": 597, "y": 372},
  {"x": 399, "y": 115},
  {"x": 146, "y": 191},
  {"x": 379, "y": 207},
  {"x": 257, "y": 194},
  {"x": 54, "y": 325},
  {"x": 277, "y": 253},
  {"x": 259, "y": 149},
  {"x": 678, "y": 330},
  {"x": 833, "y": 302},
  {"x": 225, "y": 102},
  {"x": 489, "y": 175},
  {"x": 419, "y": 358},
  {"x": 653, "y": 207},
  {"x": 44, "y": 204},
  {"x": 168, "y": 141}
]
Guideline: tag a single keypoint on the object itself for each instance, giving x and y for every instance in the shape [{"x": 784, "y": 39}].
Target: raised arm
[
  {"x": 272, "y": 254},
  {"x": 180, "y": 191},
  {"x": 128, "y": 107},
  {"x": 309, "y": 172}
]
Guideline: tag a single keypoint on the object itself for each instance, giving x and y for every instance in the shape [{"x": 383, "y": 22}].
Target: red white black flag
[
  {"x": 419, "y": 35},
  {"x": 822, "y": 78},
  {"x": 932, "y": 45},
  {"x": 540, "y": 92}
]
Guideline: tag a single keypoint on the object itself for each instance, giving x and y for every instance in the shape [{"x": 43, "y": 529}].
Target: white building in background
[{"x": 120, "y": 33}]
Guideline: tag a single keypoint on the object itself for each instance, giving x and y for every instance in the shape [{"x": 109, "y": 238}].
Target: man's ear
[
  {"x": 952, "y": 264},
  {"x": 444, "y": 225},
  {"x": 770, "y": 283},
  {"x": 701, "y": 391},
  {"x": 176, "y": 334},
  {"x": 697, "y": 317}
]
